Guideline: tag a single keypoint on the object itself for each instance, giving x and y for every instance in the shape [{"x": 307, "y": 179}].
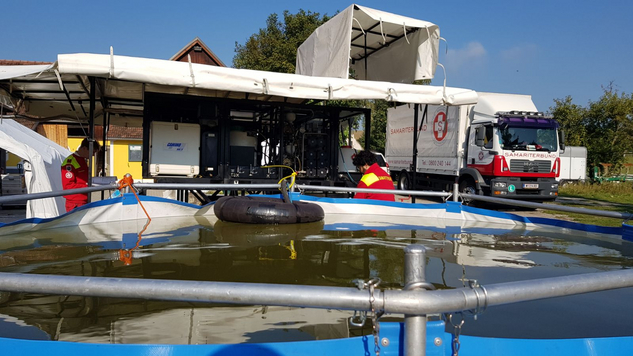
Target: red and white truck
[{"x": 501, "y": 146}]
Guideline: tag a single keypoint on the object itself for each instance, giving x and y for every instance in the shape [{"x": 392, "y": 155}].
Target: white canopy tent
[
  {"x": 43, "y": 159},
  {"x": 373, "y": 44}
]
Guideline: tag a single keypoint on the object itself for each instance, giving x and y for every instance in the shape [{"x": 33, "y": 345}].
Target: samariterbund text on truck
[{"x": 501, "y": 147}]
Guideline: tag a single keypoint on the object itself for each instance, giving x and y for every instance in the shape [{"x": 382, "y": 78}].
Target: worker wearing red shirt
[
  {"x": 374, "y": 177},
  {"x": 75, "y": 173}
]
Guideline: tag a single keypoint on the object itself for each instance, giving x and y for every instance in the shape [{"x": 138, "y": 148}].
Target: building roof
[
  {"x": 199, "y": 52},
  {"x": 120, "y": 132},
  {"x": 14, "y": 62}
]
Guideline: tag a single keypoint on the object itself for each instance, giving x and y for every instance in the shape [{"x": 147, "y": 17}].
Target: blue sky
[{"x": 548, "y": 49}]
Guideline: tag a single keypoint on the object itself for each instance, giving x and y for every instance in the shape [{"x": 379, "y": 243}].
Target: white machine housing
[{"x": 174, "y": 149}]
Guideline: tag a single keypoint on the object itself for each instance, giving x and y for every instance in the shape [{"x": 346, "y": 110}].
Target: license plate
[{"x": 530, "y": 186}]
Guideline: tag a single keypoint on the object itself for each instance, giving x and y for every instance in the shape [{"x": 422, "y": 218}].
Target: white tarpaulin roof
[
  {"x": 393, "y": 48},
  {"x": 9, "y": 72},
  {"x": 45, "y": 158},
  {"x": 212, "y": 81},
  {"x": 38, "y": 91},
  {"x": 60, "y": 91}
]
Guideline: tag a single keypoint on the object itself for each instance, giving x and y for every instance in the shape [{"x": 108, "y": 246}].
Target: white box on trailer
[
  {"x": 174, "y": 149},
  {"x": 573, "y": 164}
]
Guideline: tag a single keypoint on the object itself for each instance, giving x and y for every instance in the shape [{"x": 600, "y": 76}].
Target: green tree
[
  {"x": 571, "y": 119},
  {"x": 609, "y": 126},
  {"x": 605, "y": 127},
  {"x": 378, "y": 130},
  {"x": 274, "y": 48}
]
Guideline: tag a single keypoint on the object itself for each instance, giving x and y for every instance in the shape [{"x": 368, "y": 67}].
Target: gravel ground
[{"x": 10, "y": 214}]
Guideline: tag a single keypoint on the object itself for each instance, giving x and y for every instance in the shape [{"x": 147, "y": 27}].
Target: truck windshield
[{"x": 528, "y": 138}]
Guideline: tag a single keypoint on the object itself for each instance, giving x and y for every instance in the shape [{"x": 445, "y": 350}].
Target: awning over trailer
[
  {"x": 62, "y": 90},
  {"x": 261, "y": 84},
  {"x": 9, "y": 72},
  {"x": 371, "y": 45},
  {"x": 41, "y": 91}
]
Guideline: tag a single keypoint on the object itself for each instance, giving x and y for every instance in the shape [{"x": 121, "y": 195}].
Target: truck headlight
[{"x": 499, "y": 185}]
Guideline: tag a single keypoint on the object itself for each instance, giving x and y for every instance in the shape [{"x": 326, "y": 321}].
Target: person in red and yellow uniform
[
  {"x": 374, "y": 177},
  {"x": 75, "y": 173}
]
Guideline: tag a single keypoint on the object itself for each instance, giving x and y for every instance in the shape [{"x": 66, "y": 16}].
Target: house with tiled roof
[{"x": 199, "y": 53}]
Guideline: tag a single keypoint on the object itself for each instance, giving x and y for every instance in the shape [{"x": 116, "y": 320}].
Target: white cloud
[
  {"x": 474, "y": 54},
  {"x": 520, "y": 53}
]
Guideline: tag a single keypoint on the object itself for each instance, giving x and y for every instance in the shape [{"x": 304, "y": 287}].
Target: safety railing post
[{"x": 414, "y": 325}]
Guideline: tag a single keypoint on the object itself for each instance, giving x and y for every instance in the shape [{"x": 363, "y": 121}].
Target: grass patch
[
  {"x": 611, "y": 192},
  {"x": 586, "y": 218},
  {"x": 610, "y": 196}
]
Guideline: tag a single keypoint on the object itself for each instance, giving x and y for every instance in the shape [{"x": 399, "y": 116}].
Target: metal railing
[
  {"x": 527, "y": 204},
  {"x": 190, "y": 186},
  {"x": 32, "y": 196},
  {"x": 166, "y": 186},
  {"x": 415, "y": 301},
  {"x": 420, "y": 193},
  {"x": 463, "y": 196},
  {"x": 304, "y": 187}
]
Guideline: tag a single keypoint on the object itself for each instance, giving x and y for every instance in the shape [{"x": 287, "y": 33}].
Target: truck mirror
[
  {"x": 480, "y": 135},
  {"x": 561, "y": 140}
]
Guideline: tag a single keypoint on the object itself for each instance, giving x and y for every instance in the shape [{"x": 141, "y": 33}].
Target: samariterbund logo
[
  {"x": 440, "y": 126},
  {"x": 529, "y": 154}
]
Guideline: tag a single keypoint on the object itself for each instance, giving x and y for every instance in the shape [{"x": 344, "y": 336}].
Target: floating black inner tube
[{"x": 261, "y": 210}]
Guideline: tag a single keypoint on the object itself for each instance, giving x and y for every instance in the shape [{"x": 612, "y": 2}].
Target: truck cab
[{"x": 515, "y": 155}]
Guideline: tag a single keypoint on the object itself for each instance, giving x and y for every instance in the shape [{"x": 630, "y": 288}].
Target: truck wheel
[
  {"x": 403, "y": 181},
  {"x": 467, "y": 186}
]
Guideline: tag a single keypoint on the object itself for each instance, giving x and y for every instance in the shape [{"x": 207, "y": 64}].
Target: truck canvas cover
[
  {"x": 438, "y": 137},
  {"x": 392, "y": 47}
]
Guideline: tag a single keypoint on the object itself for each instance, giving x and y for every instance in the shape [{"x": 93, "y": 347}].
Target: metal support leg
[
  {"x": 414, "y": 325},
  {"x": 456, "y": 190}
]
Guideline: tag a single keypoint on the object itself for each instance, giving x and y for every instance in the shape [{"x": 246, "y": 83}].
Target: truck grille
[{"x": 524, "y": 165}]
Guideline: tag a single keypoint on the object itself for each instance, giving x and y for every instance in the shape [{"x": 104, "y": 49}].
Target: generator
[{"x": 174, "y": 149}]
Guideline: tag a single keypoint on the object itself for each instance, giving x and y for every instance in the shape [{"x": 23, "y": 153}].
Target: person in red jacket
[
  {"x": 374, "y": 177},
  {"x": 75, "y": 173}
]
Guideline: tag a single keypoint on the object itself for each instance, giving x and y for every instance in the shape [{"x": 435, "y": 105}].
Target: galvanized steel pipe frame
[
  {"x": 192, "y": 186},
  {"x": 31, "y": 196},
  {"x": 304, "y": 187},
  {"x": 527, "y": 204},
  {"x": 166, "y": 186},
  {"x": 411, "y": 302},
  {"x": 367, "y": 190},
  {"x": 176, "y": 186},
  {"x": 414, "y": 279}
]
